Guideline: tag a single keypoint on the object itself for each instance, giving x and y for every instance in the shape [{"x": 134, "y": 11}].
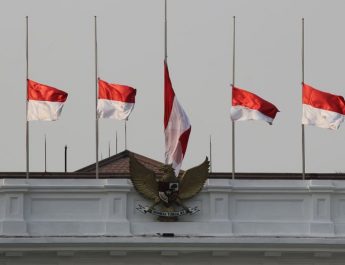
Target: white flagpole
[
  {"x": 210, "y": 153},
  {"x": 45, "y": 153},
  {"x": 27, "y": 88},
  {"x": 125, "y": 134},
  {"x": 165, "y": 37},
  {"x": 303, "y": 136},
  {"x": 165, "y": 33},
  {"x": 116, "y": 143},
  {"x": 233, "y": 84},
  {"x": 96, "y": 98}
]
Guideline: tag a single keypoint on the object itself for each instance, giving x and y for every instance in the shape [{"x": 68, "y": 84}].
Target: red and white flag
[
  {"x": 322, "y": 109},
  {"x": 115, "y": 101},
  {"x": 177, "y": 127},
  {"x": 248, "y": 106},
  {"x": 45, "y": 103}
]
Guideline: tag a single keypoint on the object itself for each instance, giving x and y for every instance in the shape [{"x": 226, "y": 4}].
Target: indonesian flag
[
  {"x": 45, "y": 103},
  {"x": 176, "y": 125},
  {"x": 248, "y": 106},
  {"x": 322, "y": 109},
  {"x": 115, "y": 101}
]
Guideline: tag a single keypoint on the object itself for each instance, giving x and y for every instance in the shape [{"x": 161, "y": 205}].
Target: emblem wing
[
  {"x": 143, "y": 179},
  {"x": 192, "y": 181}
]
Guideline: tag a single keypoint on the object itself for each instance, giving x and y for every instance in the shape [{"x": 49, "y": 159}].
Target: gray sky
[{"x": 131, "y": 51}]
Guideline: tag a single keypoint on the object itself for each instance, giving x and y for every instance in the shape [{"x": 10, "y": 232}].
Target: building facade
[{"x": 258, "y": 219}]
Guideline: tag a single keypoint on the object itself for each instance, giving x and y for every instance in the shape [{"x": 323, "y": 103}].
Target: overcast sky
[{"x": 131, "y": 51}]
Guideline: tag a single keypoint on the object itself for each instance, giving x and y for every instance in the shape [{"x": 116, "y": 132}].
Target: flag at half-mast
[
  {"x": 322, "y": 109},
  {"x": 248, "y": 106},
  {"x": 45, "y": 103},
  {"x": 177, "y": 127},
  {"x": 115, "y": 101}
]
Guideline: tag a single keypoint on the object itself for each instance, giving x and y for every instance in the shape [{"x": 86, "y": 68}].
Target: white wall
[
  {"x": 42, "y": 207},
  {"x": 70, "y": 221}
]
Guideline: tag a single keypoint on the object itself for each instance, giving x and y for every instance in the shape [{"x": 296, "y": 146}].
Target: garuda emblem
[{"x": 168, "y": 191}]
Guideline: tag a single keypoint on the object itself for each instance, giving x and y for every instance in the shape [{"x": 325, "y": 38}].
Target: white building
[{"x": 258, "y": 219}]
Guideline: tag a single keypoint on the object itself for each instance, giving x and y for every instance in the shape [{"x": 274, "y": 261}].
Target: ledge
[{"x": 181, "y": 244}]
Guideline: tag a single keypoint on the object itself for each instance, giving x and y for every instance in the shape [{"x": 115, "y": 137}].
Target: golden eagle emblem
[{"x": 167, "y": 190}]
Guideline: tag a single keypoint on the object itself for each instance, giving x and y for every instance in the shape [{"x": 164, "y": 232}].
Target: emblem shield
[{"x": 168, "y": 191}]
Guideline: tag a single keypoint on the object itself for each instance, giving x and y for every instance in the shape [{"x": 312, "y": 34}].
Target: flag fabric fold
[
  {"x": 177, "y": 127},
  {"x": 322, "y": 109},
  {"x": 45, "y": 103},
  {"x": 248, "y": 106},
  {"x": 115, "y": 101}
]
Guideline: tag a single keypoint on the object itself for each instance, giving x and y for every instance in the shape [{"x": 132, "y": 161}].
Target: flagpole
[
  {"x": 233, "y": 84},
  {"x": 165, "y": 32},
  {"x": 27, "y": 89},
  {"x": 116, "y": 143},
  {"x": 125, "y": 134},
  {"x": 165, "y": 39},
  {"x": 109, "y": 149},
  {"x": 303, "y": 135},
  {"x": 210, "y": 153},
  {"x": 45, "y": 153},
  {"x": 65, "y": 158},
  {"x": 96, "y": 88}
]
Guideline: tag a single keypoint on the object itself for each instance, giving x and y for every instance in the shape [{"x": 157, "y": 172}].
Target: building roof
[{"x": 119, "y": 164}]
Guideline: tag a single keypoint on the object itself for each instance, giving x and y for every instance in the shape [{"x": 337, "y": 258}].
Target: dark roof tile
[{"x": 119, "y": 163}]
